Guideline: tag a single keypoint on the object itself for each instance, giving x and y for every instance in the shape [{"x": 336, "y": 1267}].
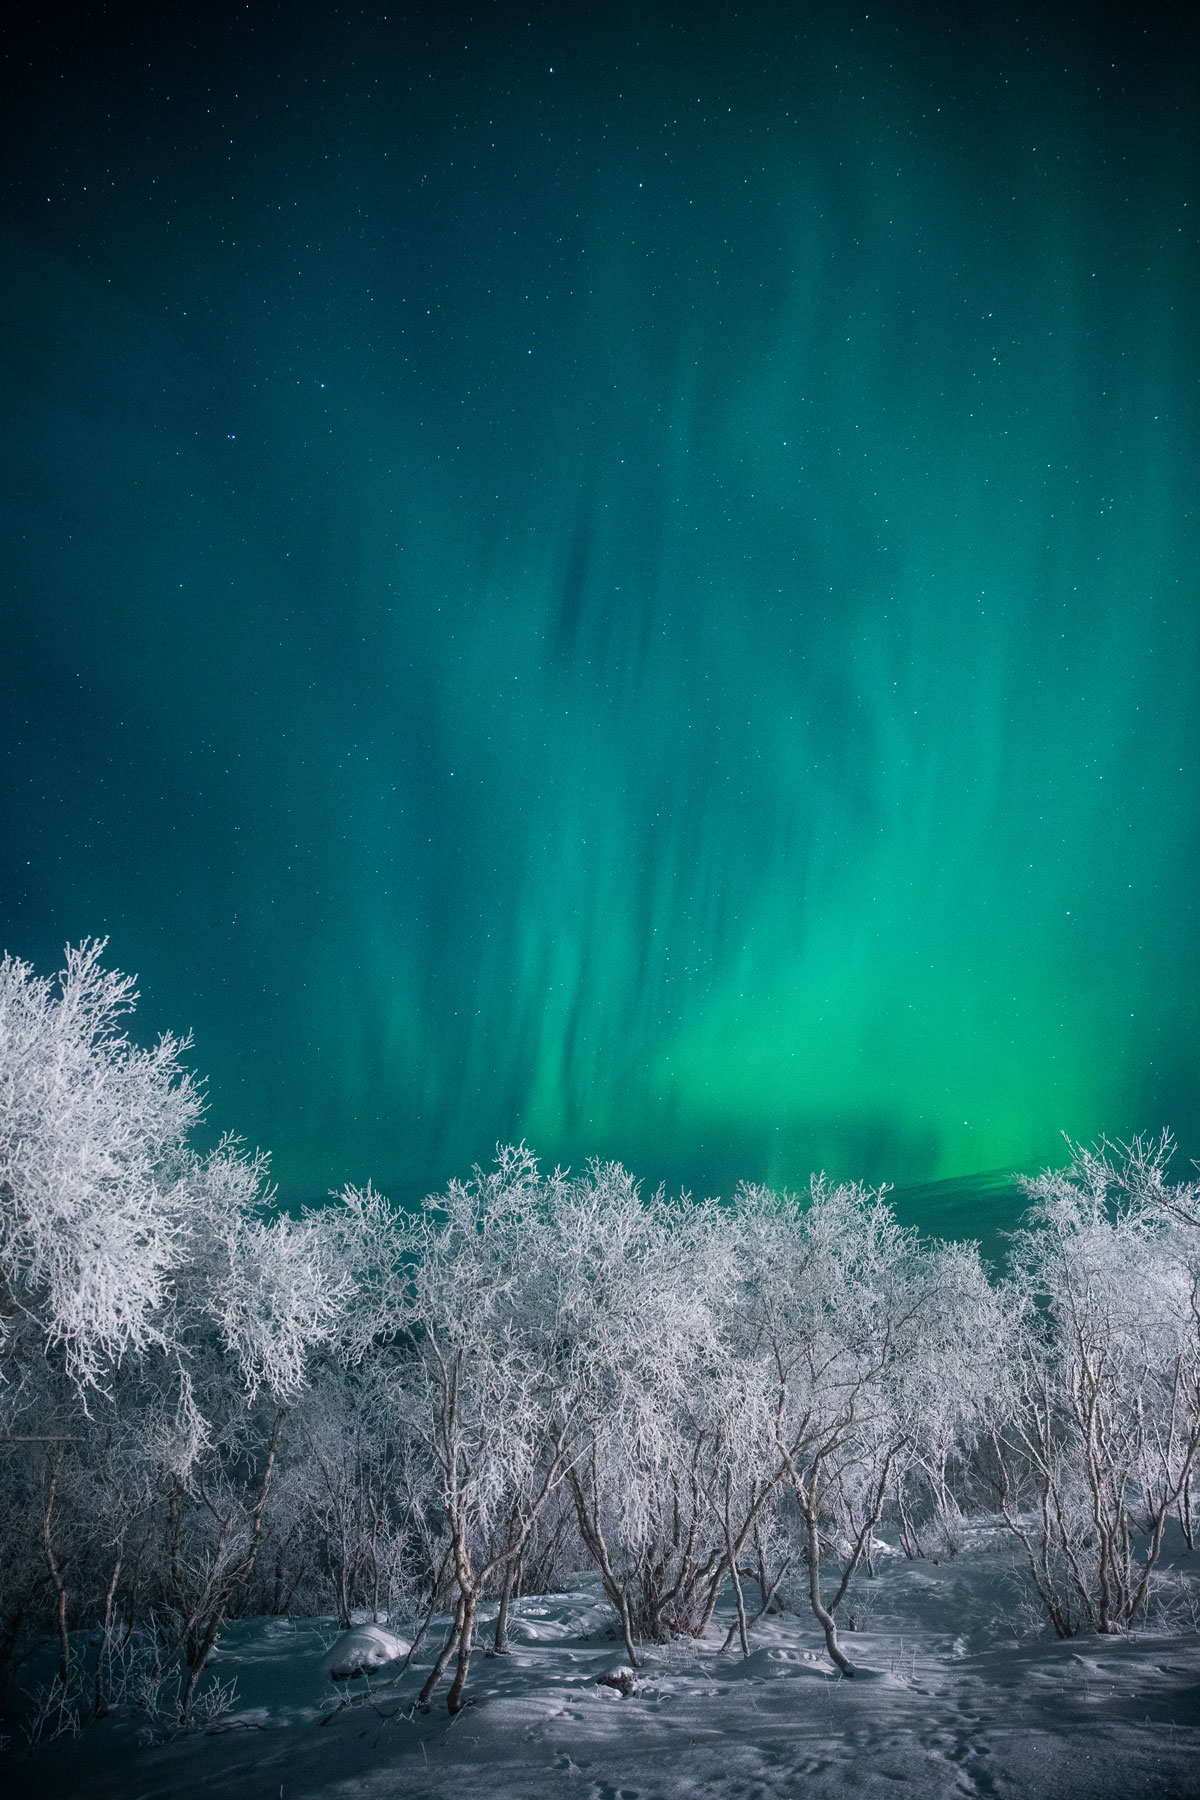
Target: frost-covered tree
[
  {"x": 356, "y": 1491},
  {"x": 158, "y": 1317},
  {"x": 637, "y": 1282},
  {"x": 461, "y": 1290},
  {"x": 856, "y": 1326},
  {"x": 1098, "y": 1393},
  {"x": 948, "y": 1393},
  {"x": 93, "y": 1134},
  {"x": 254, "y": 1296}
]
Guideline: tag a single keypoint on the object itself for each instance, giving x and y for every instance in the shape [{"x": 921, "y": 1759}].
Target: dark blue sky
[{"x": 626, "y": 577}]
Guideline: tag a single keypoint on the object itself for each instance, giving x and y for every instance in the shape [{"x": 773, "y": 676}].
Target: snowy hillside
[{"x": 950, "y": 1699}]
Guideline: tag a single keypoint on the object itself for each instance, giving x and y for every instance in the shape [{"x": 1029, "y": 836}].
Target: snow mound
[
  {"x": 573, "y": 1616},
  {"x": 363, "y": 1648},
  {"x": 621, "y": 1679}
]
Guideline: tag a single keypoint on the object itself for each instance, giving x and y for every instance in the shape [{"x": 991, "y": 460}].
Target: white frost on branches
[
  {"x": 216, "y": 1399},
  {"x": 92, "y": 1136},
  {"x": 116, "y": 1237}
]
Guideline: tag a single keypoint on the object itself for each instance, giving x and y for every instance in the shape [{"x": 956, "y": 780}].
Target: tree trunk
[
  {"x": 64, "y": 1664},
  {"x": 443, "y": 1657},
  {"x": 593, "y": 1537},
  {"x": 824, "y": 1618},
  {"x": 735, "y": 1572},
  {"x": 104, "y": 1654},
  {"x": 454, "y": 1699},
  {"x": 343, "y": 1587},
  {"x": 759, "y": 1498},
  {"x": 1185, "y": 1513},
  {"x": 500, "y": 1642},
  {"x": 201, "y": 1650}
]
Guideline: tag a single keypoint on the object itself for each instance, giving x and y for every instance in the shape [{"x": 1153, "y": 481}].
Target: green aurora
[{"x": 629, "y": 584}]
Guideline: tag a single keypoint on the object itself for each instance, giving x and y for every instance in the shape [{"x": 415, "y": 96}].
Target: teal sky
[{"x": 628, "y": 579}]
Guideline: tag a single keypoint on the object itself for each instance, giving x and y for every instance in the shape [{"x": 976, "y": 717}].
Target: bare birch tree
[{"x": 1100, "y": 1432}]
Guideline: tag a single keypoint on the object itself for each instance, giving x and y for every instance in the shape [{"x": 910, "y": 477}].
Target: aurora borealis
[{"x": 622, "y": 578}]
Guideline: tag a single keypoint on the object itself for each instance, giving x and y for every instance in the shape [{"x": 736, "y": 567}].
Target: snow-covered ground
[{"x": 951, "y": 1699}]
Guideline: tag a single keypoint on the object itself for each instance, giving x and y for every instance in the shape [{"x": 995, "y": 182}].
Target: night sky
[{"x": 622, "y": 575}]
